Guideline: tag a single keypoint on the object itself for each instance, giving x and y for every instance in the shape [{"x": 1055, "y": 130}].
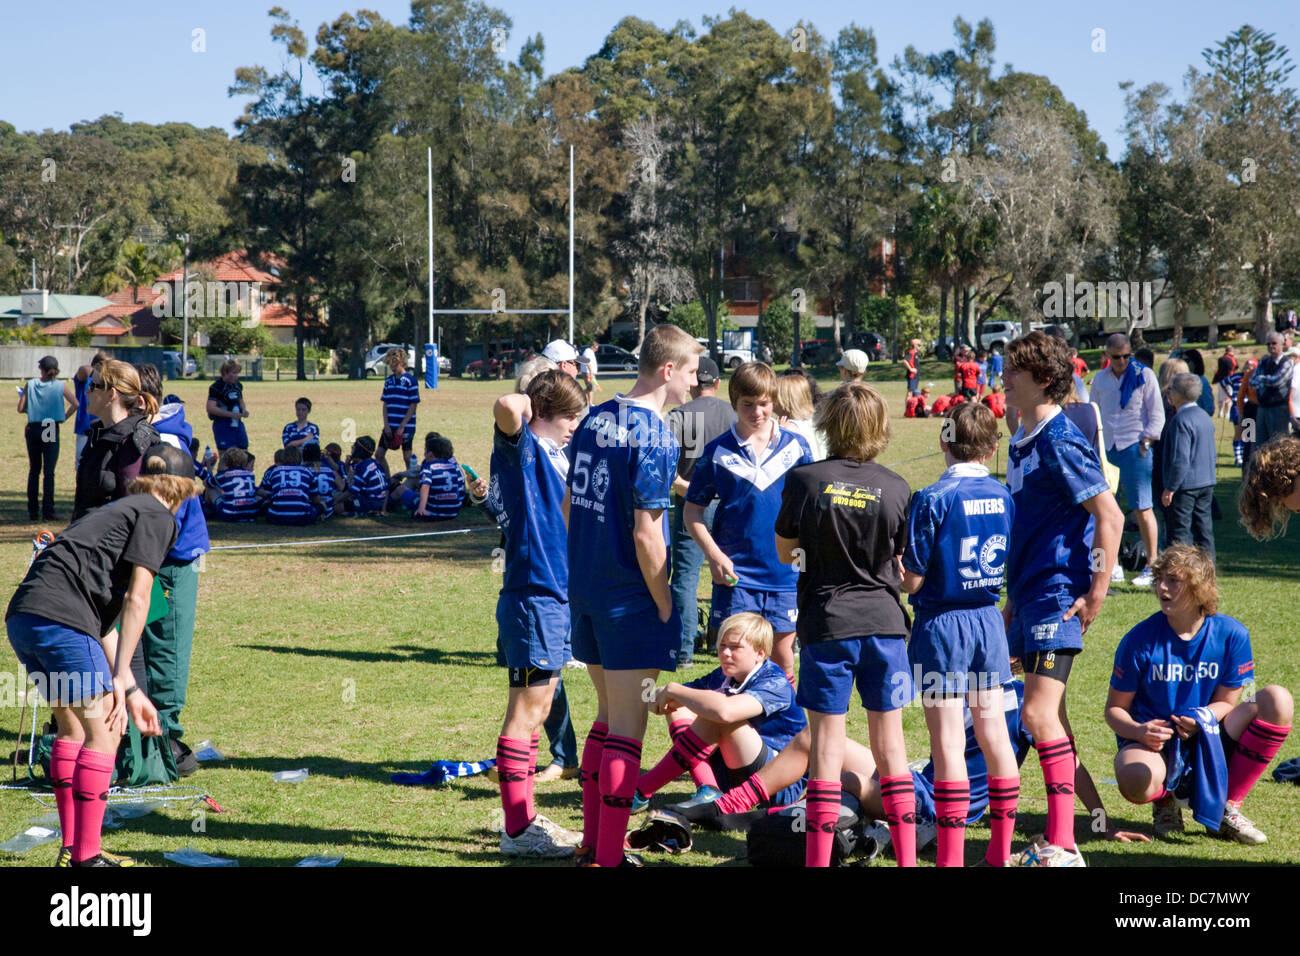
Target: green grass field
[{"x": 362, "y": 658}]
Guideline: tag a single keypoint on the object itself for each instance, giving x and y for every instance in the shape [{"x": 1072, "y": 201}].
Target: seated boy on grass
[
  {"x": 438, "y": 490},
  {"x": 730, "y": 722}
]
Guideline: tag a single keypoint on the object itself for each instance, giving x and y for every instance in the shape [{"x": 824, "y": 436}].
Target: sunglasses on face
[
  {"x": 95, "y": 385},
  {"x": 1121, "y": 358}
]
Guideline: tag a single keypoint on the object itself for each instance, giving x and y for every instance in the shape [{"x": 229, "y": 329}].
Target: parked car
[
  {"x": 501, "y": 365},
  {"x": 375, "y": 364},
  {"x": 612, "y": 357},
  {"x": 816, "y": 351},
  {"x": 731, "y": 358},
  {"x": 998, "y": 334},
  {"x": 172, "y": 365},
  {"x": 873, "y": 344}
]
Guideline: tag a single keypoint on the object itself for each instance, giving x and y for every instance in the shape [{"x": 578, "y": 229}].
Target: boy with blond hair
[{"x": 623, "y": 459}]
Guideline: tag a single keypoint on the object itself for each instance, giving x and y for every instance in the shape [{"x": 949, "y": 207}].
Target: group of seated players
[
  {"x": 309, "y": 483},
  {"x": 849, "y": 537}
]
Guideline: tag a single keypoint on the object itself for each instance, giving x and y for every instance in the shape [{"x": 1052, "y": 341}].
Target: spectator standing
[
  {"x": 118, "y": 440},
  {"x": 227, "y": 408},
  {"x": 47, "y": 402},
  {"x": 1271, "y": 383},
  {"x": 1227, "y": 365},
  {"x": 397, "y": 402},
  {"x": 852, "y": 365},
  {"x": 694, "y": 425},
  {"x": 1188, "y": 464},
  {"x": 79, "y": 382},
  {"x": 912, "y": 359},
  {"x": 1132, "y": 415}
]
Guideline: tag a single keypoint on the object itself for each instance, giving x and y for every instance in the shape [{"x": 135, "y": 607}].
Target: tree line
[{"x": 798, "y": 154}]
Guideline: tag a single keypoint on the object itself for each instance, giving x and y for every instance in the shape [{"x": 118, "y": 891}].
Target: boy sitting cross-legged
[{"x": 729, "y": 723}]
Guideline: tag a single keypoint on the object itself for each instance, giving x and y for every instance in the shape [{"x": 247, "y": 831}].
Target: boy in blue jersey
[
  {"x": 1063, "y": 546},
  {"x": 234, "y": 495},
  {"x": 398, "y": 400},
  {"x": 622, "y": 463},
  {"x": 844, "y": 520},
  {"x": 745, "y": 469},
  {"x": 958, "y": 649},
  {"x": 287, "y": 490},
  {"x": 1180, "y": 673},
  {"x": 368, "y": 489},
  {"x": 300, "y": 432},
  {"x": 527, "y": 494},
  {"x": 441, "y": 482},
  {"x": 328, "y": 488},
  {"x": 734, "y": 720}
]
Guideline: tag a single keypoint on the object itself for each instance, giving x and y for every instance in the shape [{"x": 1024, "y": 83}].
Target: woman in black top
[
  {"x": 97, "y": 573},
  {"x": 118, "y": 440}
]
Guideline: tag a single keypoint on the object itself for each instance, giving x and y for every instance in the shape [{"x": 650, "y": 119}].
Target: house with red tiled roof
[{"x": 235, "y": 277}]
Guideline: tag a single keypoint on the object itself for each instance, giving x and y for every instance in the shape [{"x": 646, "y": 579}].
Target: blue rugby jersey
[
  {"x": 526, "y": 494},
  {"x": 781, "y": 720},
  {"x": 446, "y": 483},
  {"x": 749, "y": 497},
  {"x": 238, "y": 501},
  {"x": 290, "y": 488},
  {"x": 368, "y": 488},
  {"x": 1170, "y": 675},
  {"x": 324, "y": 486},
  {"x": 1051, "y": 472},
  {"x": 957, "y": 532},
  {"x": 400, "y": 393},
  {"x": 623, "y": 458},
  {"x": 292, "y": 433}
]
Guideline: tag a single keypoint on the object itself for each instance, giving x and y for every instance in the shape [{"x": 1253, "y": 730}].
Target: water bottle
[
  {"x": 44, "y": 538},
  {"x": 29, "y": 838},
  {"x": 415, "y": 462},
  {"x": 290, "y": 776},
  {"x": 207, "y": 453}
]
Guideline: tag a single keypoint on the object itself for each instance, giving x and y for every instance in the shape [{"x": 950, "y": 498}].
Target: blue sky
[{"x": 74, "y": 60}]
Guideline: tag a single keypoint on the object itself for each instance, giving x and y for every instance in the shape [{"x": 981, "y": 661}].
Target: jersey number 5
[{"x": 581, "y": 472}]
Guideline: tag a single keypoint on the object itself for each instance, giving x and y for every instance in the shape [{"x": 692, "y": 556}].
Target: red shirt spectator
[
  {"x": 997, "y": 404},
  {"x": 968, "y": 375},
  {"x": 1080, "y": 366}
]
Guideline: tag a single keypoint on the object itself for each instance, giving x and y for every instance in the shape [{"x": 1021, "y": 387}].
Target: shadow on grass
[
  {"x": 401, "y": 653},
  {"x": 219, "y": 828}
]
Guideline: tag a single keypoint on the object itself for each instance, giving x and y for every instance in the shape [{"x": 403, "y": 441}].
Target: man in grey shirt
[
  {"x": 1188, "y": 463},
  {"x": 1132, "y": 416},
  {"x": 694, "y": 424}
]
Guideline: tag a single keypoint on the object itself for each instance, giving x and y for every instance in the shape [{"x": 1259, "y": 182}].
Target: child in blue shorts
[
  {"x": 745, "y": 469},
  {"x": 730, "y": 723},
  {"x": 528, "y": 494},
  {"x": 958, "y": 649},
  {"x": 623, "y": 460},
  {"x": 1063, "y": 546},
  {"x": 75, "y": 622},
  {"x": 843, "y": 525},
  {"x": 1185, "y": 736}
]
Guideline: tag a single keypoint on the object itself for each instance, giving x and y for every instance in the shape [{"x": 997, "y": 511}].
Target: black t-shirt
[
  {"x": 694, "y": 425},
  {"x": 226, "y": 395},
  {"x": 850, "y": 519},
  {"x": 81, "y": 579}
]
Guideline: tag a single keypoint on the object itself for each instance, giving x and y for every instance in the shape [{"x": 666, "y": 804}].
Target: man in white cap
[
  {"x": 852, "y": 365},
  {"x": 564, "y": 355}
]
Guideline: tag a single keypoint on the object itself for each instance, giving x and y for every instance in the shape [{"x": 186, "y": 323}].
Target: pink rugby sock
[
  {"x": 898, "y": 794},
  {"x": 90, "y": 785},
  {"x": 1057, "y": 758},
  {"x": 951, "y": 804},
  {"x": 823, "y": 809},
  {"x": 687, "y": 751},
  {"x": 744, "y": 797},
  {"x": 512, "y": 771},
  {"x": 593, "y": 752},
  {"x": 63, "y": 767},
  {"x": 1258, "y": 745},
  {"x": 532, "y": 772},
  {"x": 618, "y": 773},
  {"x": 1004, "y": 795}
]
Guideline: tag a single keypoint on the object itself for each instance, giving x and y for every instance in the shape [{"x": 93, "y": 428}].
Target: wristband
[{"x": 130, "y": 690}]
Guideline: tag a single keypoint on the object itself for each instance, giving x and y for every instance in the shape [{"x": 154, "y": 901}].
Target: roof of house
[
  {"x": 60, "y": 306},
  {"x": 276, "y": 314},
  {"x": 236, "y": 266}
]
